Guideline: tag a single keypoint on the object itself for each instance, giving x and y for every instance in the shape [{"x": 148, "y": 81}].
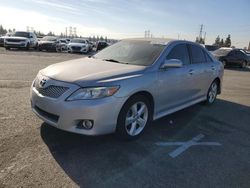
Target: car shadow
[{"x": 93, "y": 161}]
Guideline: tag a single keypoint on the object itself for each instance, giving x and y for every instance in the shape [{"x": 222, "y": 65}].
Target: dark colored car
[
  {"x": 100, "y": 45},
  {"x": 51, "y": 43},
  {"x": 229, "y": 56},
  {"x": 211, "y": 48},
  {"x": 2, "y": 41}
]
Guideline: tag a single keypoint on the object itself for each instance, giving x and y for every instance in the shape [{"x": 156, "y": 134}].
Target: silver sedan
[{"x": 126, "y": 86}]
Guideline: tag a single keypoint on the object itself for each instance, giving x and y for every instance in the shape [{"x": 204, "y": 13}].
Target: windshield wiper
[{"x": 113, "y": 60}]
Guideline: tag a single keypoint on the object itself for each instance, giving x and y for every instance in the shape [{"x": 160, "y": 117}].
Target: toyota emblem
[{"x": 42, "y": 82}]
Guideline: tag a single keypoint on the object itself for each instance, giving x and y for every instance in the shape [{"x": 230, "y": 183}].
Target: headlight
[{"x": 93, "y": 93}]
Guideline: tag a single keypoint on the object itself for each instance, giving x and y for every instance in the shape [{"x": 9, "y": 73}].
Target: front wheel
[
  {"x": 134, "y": 117},
  {"x": 212, "y": 93},
  {"x": 28, "y": 46},
  {"x": 224, "y": 63}
]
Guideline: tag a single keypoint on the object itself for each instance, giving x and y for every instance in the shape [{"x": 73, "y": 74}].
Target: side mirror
[{"x": 172, "y": 63}]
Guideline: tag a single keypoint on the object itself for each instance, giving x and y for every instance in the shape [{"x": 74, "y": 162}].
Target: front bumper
[
  {"x": 15, "y": 44},
  {"x": 76, "y": 49},
  {"x": 66, "y": 115}
]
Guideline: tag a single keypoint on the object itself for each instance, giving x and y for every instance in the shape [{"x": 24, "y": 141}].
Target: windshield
[
  {"x": 77, "y": 41},
  {"x": 132, "y": 52},
  {"x": 21, "y": 34},
  {"x": 222, "y": 52},
  {"x": 49, "y": 39}
]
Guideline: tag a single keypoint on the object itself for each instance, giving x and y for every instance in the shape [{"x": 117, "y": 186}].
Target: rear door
[
  {"x": 232, "y": 57},
  {"x": 199, "y": 68}
]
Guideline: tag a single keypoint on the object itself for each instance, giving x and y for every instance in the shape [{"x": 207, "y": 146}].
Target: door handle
[
  {"x": 191, "y": 71},
  {"x": 213, "y": 68}
]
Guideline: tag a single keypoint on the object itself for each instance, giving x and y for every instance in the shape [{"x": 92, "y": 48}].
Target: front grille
[
  {"x": 77, "y": 48},
  {"x": 14, "y": 40},
  {"x": 50, "y": 91},
  {"x": 52, "y": 117}
]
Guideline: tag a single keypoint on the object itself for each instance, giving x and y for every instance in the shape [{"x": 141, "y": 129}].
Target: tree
[
  {"x": 101, "y": 38},
  {"x": 50, "y": 34},
  {"x": 222, "y": 44},
  {"x": 2, "y": 30},
  {"x": 217, "y": 41},
  {"x": 200, "y": 40},
  {"x": 228, "y": 41}
]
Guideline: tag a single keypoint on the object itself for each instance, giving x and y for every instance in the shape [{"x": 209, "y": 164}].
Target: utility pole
[
  {"x": 201, "y": 30},
  {"x": 66, "y": 32},
  {"x": 205, "y": 37},
  {"x": 70, "y": 31},
  {"x": 74, "y": 31}
]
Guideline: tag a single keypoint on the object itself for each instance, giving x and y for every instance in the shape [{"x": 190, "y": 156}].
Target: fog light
[{"x": 85, "y": 124}]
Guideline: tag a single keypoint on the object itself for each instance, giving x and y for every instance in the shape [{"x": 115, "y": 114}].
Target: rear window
[
  {"x": 197, "y": 54},
  {"x": 208, "y": 58}
]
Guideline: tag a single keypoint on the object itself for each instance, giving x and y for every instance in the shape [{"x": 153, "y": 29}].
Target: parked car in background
[
  {"x": 21, "y": 39},
  {"x": 211, "y": 48},
  {"x": 2, "y": 38},
  {"x": 125, "y": 86},
  {"x": 101, "y": 45},
  {"x": 78, "y": 45},
  {"x": 230, "y": 56},
  {"x": 52, "y": 43}
]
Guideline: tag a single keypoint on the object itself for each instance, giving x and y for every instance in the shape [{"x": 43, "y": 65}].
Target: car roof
[{"x": 152, "y": 40}]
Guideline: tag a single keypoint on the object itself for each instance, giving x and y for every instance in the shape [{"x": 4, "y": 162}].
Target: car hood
[
  {"x": 85, "y": 71},
  {"x": 76, "y": 44},
  {"x": 13, "y": 37},
  {"x": 47, "y": 42}
]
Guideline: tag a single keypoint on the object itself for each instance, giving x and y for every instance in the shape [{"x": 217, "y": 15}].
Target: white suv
[{"x": 21, "y": 39}]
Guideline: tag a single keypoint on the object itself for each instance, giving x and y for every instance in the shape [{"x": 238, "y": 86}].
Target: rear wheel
[
  {"x": 7, "y": 48},
  {"x": 134, "y": 117},
  {"x": 244, "y": 64},
  {"x": 212, "y": 93}
]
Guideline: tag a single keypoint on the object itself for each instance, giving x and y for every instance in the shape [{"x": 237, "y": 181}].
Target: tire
[
  {"x": 224, "y": 63},
  {"x": 36, "y": 47},
  {"x": 7, "y": 48},
  {"x": 212, "y": 93},
  {"x": 137, "y": 118},
  {"x": 28, "y": 46},
  {"x": 244, "y": 64}
]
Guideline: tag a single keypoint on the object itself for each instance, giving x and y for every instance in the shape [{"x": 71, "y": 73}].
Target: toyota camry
[{"x": 126, "y": 86}]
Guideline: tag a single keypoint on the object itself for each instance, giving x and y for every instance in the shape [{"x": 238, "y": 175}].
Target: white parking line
[{"x": 185, "y": 145}]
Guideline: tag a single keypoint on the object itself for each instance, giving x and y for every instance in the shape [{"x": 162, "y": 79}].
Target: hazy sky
[{"x": 130, "y": 18}]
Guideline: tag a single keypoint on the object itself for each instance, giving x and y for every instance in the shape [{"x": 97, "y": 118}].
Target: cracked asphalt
[{"x": 34, "y": 154}]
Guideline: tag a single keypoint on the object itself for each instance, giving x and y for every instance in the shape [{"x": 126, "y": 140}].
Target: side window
[
  {"x": 232, "y": 53},
  {"x": 239, "y": 53},
  {"x": 197, "y": 54},
  {"x": 208, "y": 58},
  {"x": 180, "y": 52}
]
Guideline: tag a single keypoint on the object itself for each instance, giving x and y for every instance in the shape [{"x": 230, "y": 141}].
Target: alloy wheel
[{"x": 136, "y": 118}]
